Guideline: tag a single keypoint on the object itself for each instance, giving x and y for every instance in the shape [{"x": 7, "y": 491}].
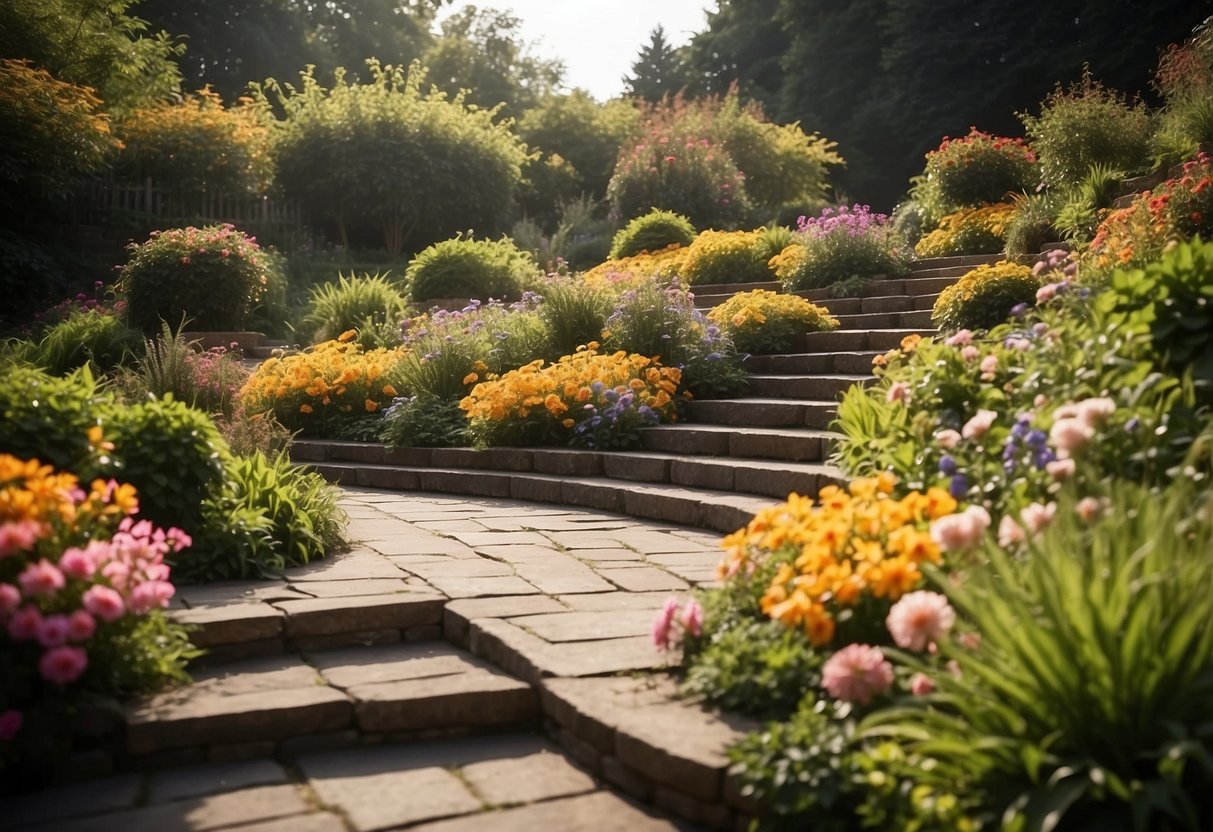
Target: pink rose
[
  {"x": 80, "y": 626},
  {"x": 898, "y": 391},
  {"x": 919, "y": 619},
  {"x": 979, "y": 424},
  {"x": 947, "y": 439},
  {"x": 1069, "y": 435},
  {"x": 10, "y": 599},
  {"x": 10, "y": 724},
  {"x": 151, "y": 595},
  {"x": 52, "y": 631},
  {"x": 954, "y": 532},
  {"x": 1088, "y": 509},
  {"x": 1047, "y": 292},
  {"x": 24, "y": 624},
  {"x": 969, "y": 354},
  {"x": 104, "y": 603},
  {"x": 989, "y": 365},
  {"x": 1018, "y": 344},
  {"x": 1095, "y": 411},
  {"x": 1061, "y": 469},
  {"x": 63, "y": 665},
  {"x": 856, "y": 673},
  {"x": 78, "y": 563},
  {"x": 18, "y": 536},
  {"x": 40, "y": 579}
]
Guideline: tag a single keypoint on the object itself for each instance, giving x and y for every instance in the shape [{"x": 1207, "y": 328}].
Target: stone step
[
  {"x": 971, "y": 261},
  {"x": 764, "y": 412},
  {"x": 730, "y": 289},
  {"x": 789, "y": 444},
  {"x": 854, "y": 340},
  {"x": 804, "y": 387},
  {"x": 281, "y": 704},
  {"x": 885, "y": 320},
  {"x": 704, "y": 508},
  {"x": 813, "y": 363}
]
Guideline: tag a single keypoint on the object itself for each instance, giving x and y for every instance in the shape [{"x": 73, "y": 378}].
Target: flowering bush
[
  {"x": 1185, "y": 78},
  {"x": 839, "y": 245},
  {"x": 618, "y": 276},
  {"x": 974, "y": 170},
  {"x": 980, "y": 230},
  {"x": 764, "y": 322},
  {"x": 984, "y": 297},
  {"x": 652, "y": 232},
  {"x": 726, "y": 257},
  {"x": 324, "y": 390},
  {"x": 217, "y": 376},
  {"x": 81, "y": 589},
  {"x": 690, "y": 175},
  {"x": 213, "y": 276},
  {"x": 588, "y": 399}
]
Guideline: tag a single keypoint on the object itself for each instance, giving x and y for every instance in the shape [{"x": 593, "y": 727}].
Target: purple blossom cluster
[
  {"x": 612, "y": 419},
  {"x": 854, "y": 221}
]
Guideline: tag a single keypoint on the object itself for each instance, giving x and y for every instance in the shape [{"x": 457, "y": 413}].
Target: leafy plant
[
  {"x": 1031, "y": 228},
  {"x": 761, "y": 321},
  {"x": 653, "y": 231},
  {"x": 984, "y": 297},
  {"x": 371, "y": 305},
  {"x": 214, "y": 276},
  {"x": 969, "y": 231},
  {"x": 1084, "y": 125},
  {"x": 164, "y": 368},
  {"x": 1079, "y": 218},
  {"x": 839, "y": 245},
  {"x": 50, "y": 418},
  {"x": 424, "y": 421},
  {"x": 574, "y": 313},
  {"x": 95, "y": 337},
  {"x": 469, "y": 268},
  {"x": 975, "y": 170}
]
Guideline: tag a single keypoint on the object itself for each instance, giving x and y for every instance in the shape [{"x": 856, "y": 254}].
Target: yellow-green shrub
[
  {"x": 981, "y": 230},
  {"x": 984, "y": 297},
  {"x": 726, "y": 257},
  {"x": 763, "y": 322},
  {"x": 618, "y": 276}
]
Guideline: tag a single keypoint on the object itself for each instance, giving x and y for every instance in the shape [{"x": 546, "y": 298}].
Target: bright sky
[{"x": 598, "y": 40}]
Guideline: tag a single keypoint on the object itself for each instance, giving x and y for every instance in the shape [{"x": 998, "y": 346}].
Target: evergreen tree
[{"x": 660, "y": 70}]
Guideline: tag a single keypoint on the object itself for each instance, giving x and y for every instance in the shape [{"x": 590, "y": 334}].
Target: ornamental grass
[{"x": 587, "y": 399}]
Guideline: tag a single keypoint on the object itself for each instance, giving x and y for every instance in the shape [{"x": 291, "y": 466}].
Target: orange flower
[{"x": 305, "y": 408}]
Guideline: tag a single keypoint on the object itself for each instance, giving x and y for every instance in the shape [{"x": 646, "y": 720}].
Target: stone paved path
[{"x": 331, "y": 695}]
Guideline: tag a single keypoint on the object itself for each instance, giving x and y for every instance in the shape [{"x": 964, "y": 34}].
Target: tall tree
[
  {"x": 659, "y": 71},
  {"x": 743, "y": 44}
]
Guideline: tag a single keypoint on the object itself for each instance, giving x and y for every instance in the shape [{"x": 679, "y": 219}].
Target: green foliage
[
  {"x": 470, "y": 268},
  {"x": 652, "y": 232},
  {"x": 1032, "y": 226},
  {"x": 424, "y": 421},
  {"x": 164, "y": 368},
  {"x": 53, "y": 133},
  {"x": 1084, "y": 125},
  {"x": 95, "y": 337},
  {"x": 419, "y": 167},
  {"x": 267, "y": 515},
  {"x": 213, "y": 276},
  {"x": 974, "y": 170},
  {"x": 1087, "y": 204},
  {"x": 658, "y": 72},
  {"x": 48, "y": 418},
  {"x": 1090, "y": 713},
  {"x": 197, "y": 145},
  {"x": 984, "y": 297},
  {"x": 1170, "y": 301},
  {"x": 1185, "y": 78},
  {"x": 574, "y": 314},
  {"x": 172, "y": 454},
  {"x": 371, "y": 304},
  {"x": 581, "y": 239}
]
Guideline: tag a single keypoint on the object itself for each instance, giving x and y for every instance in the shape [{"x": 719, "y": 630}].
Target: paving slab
[
  {"x": 353, "y": 586},
  {"x": 543, "y": 775},
  {"x": 586, "y": 626},
  {"x": 598, "y": 812},
  {"x": 642, "y": 579},
  {"x": 57, "y": 803},
  {"x": 212, "y": 778}
]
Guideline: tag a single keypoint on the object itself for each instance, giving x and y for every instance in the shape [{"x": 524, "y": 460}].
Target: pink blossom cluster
[
  {"x": 1074, "y": 425},
  {"x": 674, "y": 620},
  {"x": 855, "y": 221}
]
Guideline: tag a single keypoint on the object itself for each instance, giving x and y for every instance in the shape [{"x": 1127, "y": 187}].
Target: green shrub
[
  {"x": 974, "y": 170},
  {"x": 1171, "y": 300},
  {"x": 652, "y": 232},
  {"x": 1085, "y": 125},
  {"x": 582, "y": 239},
  {"x": 212, "y": 276},
  {"x": 48, "y": 418},
  {"x": 469, "y": 268},
  {"x": 574, "y": 314},
  {"x": 268, "y": 515},
  {"x": 172, "y": 454},
  {"x": 164, "y": 368},
  {"x": 983, "y": 298},
  {"x": 1185, "y": 79},
  {"x": 95, "y": 337},
  {"x": 1089, "y": 202},
  {"x": 1031, "y": 228},
  {"x": 849, "y": 243},
  {"x": 424, "y": 421},
  {"x": 726, "y": 257},
  {"x": 371, "y": 305}
]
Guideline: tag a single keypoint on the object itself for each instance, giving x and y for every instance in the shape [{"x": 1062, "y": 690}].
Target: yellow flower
[
  {"x": 471, "y": 378},
  {"x": 305, "y": 408},
  {"x": 389, "y": 390},
  {"x": 347, "y": 336},
  {"x": 371, "y": 406}
]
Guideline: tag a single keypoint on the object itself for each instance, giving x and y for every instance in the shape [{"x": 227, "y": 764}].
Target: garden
[{"x": 1002, "y": 620}]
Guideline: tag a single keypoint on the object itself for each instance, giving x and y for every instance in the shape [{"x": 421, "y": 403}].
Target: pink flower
[
  {"x": 969, "y": 354},
  {"x": 960, "y": 339},
  {"x": 80, "y": 626},
  {"x": 947, "y": 439},
  {"x": 856, "y": 673},
  {"x": 1009, "y": 532},
  {"x": 24, "y": 624},
  {"x": 921, "y": 684},
  {"x": 899, "y": 391},
  {"x": 1036, "y": 517},
  {"x": 52, "y": 631},
  {"x": 663, "y": 624},
  {"x": 10, "y": 599},
  {"x": 1095, "y": 411},
  {"x": 104, "y": 603},
  {"x": 1088, "y": 508},
  {"x": 1047, "y": 292},
  {"x": 1069, "y": 435},
  {"x": 10, "y": 724},
  {"x": 692, "y": 617},
  {"x": 988, "y": 366},
  {"x": 979, "y": 424},
  {"x": 961, "y": 531},
  {"x": 1061, "y": 469},
  {"x": 151, "y": 595},
  {"x": 1018, "y": 344},
  {"x": 41, "y": 578},
  {"x": 63, "y": 665},
  {"x": 919, "y": 619},
  {"x": 18, "y": 536},
  {"x": 78, "y": 563}
]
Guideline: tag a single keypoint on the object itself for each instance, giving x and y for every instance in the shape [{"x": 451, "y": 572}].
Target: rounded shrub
[
  {"x": 372, "y": 305},
  {"x": 652, "y": 232},
  {"x": 969, "y": 231},
  {"x": 726, "y": 257},
  {"x": 976, "y": 169},
  {"x": 839, "y": 245},
  {"x": 214, "y": 276},
  {"x": 50, "y": 418},
  {"x": 1085, "y": 125},
  {"x": 469, "y": 268},
  {"x": 765, "y": 322},
  {"x": 984, "y": 297},
  {"x": 173, "y": 454}
]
